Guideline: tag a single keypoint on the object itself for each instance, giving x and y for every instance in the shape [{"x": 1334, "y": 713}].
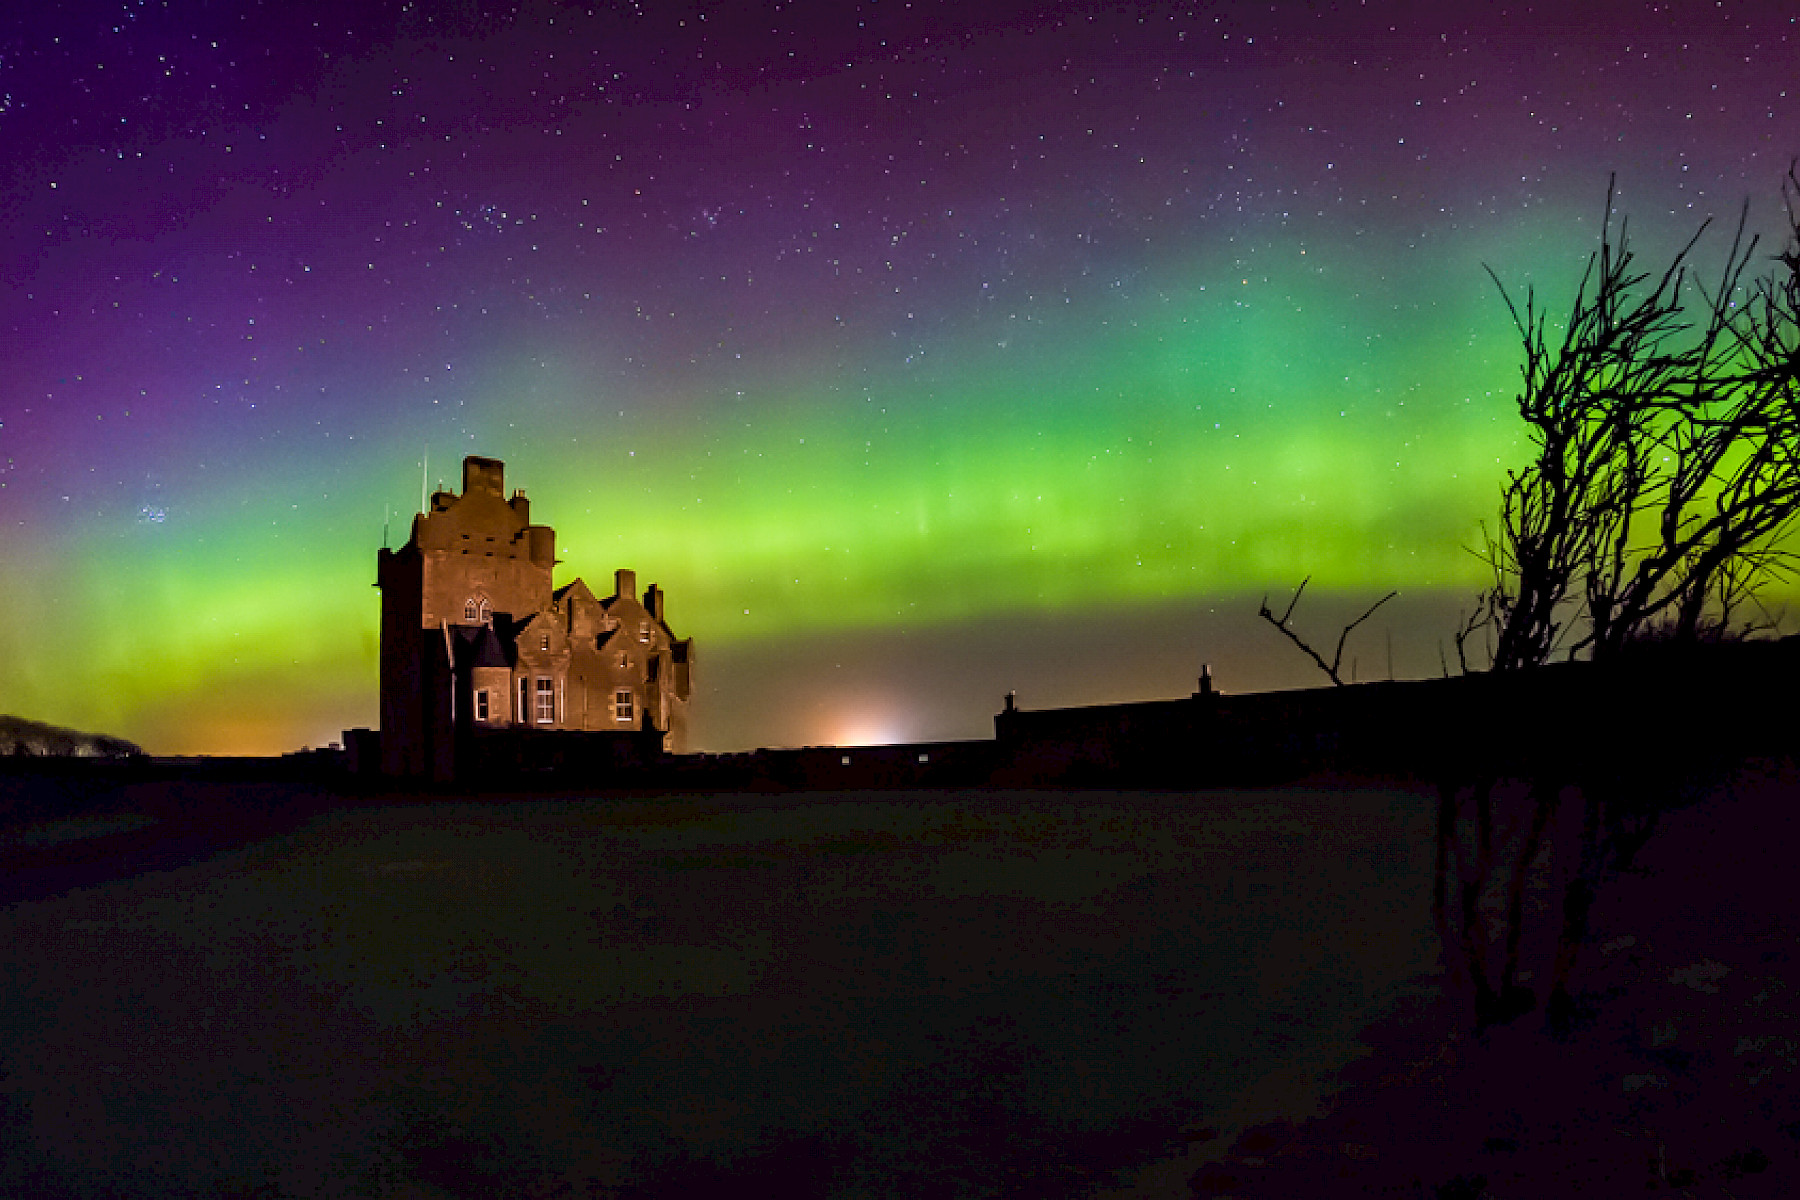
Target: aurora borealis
[{"x": 920, "y": 351}]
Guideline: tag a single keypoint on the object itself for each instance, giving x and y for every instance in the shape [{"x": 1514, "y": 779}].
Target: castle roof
[{"x": 480, "y": 646}]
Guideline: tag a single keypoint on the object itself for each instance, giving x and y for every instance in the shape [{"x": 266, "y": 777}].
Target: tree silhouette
[
  {"x": 1666, "y": 477},
  {"x": 1666, "y": 423}
]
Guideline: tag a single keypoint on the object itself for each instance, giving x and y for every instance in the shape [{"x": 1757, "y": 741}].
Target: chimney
[
  {"x": 483, "y": 475},
  {"x": 625, "y": 584},
  {"x": 653, "y": 601}
]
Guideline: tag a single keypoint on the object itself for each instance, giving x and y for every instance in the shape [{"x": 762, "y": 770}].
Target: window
[
  {"x": 481, "y": 705},
  {"x": 524, "y": 714},
  {"x": 544, "y": 643},
  {"x": 546, "y": 701},
  {"x": 643, "y": 631},
  {"x": 623, "y": 704},
  {"x": 484, "y": 610},
  {"x": 846, "y": 760},
  {"x": 471, "y": 611},
  {"x": 924, "y": 758},
  {"x": 624, "y": 660}
]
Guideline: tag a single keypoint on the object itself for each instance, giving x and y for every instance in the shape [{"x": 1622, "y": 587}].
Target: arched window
[
  {"x": 471, "y": 610},
  {"x": 485, "y": 613}
]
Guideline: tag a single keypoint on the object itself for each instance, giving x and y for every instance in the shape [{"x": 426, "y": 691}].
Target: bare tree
[
  {"x": 1667, "y": 464},
  {"x": 1665, "y": 479}
]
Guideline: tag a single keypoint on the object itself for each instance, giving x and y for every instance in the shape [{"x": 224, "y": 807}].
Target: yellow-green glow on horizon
[{"x": 820, "y": 520}]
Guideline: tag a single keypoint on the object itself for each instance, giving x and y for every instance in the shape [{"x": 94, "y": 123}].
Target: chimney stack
[
  {"x": 483, "y": 474},
  {"x": 625, "y": 584}
]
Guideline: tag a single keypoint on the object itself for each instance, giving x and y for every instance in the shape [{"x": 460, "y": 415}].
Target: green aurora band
[{"x": 1184, "y": 445}]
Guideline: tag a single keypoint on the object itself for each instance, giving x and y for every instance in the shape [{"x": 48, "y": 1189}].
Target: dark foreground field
[
  {"x": 1679, "y": 1077},
  {"x": 233, "y": 989},
  {"x": 935, "y": 994}
]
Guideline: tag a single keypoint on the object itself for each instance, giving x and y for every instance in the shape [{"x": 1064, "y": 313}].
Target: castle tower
[{"x": 470, "y": 557}]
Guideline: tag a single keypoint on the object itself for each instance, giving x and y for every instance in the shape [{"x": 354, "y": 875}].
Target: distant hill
[{"x": 19, "y": 736}]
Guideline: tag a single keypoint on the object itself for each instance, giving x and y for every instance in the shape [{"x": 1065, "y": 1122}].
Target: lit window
[
  {"x": 846, "y": 760},
  {"x": 546, "y": 701},
  {"x": 643, "y": 631},
  {"x": 471, "y": 610},
  {"x": 924, "y": 758},
  {"x": 524, "y": 714},
  {"x": 623, "y": 704},
  {"x": 484, "y": 610},
  {"x": 481, "y": 705},
  {"x": 544, "y": 644}
]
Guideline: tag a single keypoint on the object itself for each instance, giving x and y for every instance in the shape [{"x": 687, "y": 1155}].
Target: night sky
[{"x": 920, "y": 351}]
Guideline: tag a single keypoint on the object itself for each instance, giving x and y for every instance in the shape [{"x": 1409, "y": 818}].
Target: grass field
[{"x": 868, "y": 994}]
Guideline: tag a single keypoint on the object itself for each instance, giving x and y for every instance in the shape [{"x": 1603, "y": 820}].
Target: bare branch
[
  {"x": 1345, "y": 635},
  {"x": 1288, "y": 632},
  {"x": 1332, "y": 668}
]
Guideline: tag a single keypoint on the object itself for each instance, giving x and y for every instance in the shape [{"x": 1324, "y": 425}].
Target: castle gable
[{"x": 574, "y": 592}]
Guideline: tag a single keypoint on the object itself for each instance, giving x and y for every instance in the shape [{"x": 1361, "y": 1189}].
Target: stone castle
[{"x": 475, "y": 640}]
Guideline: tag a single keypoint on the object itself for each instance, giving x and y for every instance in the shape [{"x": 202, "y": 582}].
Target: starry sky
[{"x": 921, "y": 351}]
